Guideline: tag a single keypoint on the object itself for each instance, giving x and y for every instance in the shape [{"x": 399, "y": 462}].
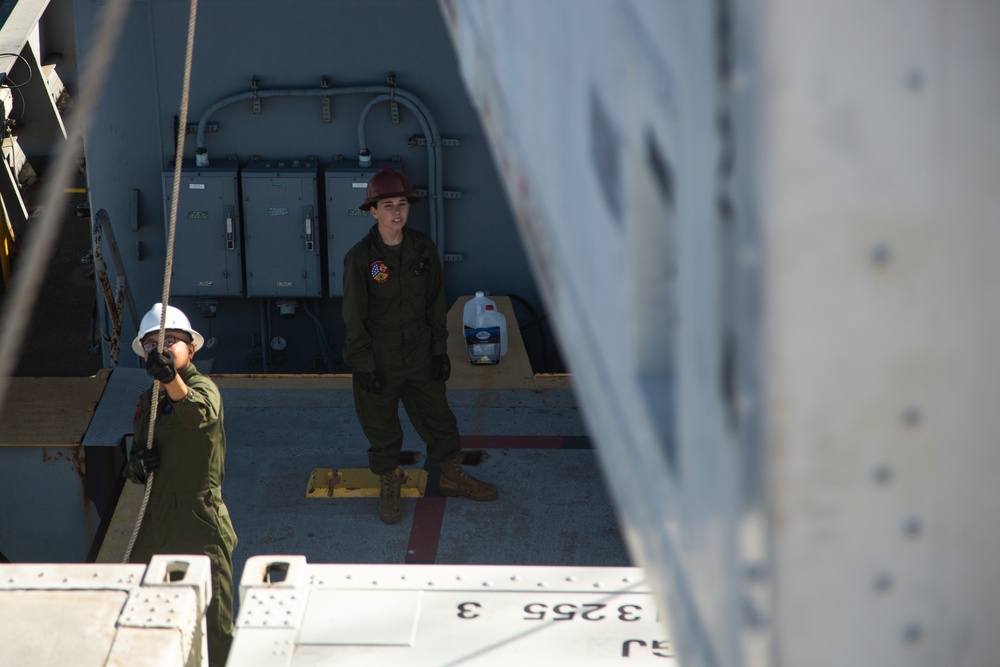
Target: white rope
[
  {"x": 167, "y": 269},
  {"x": 19, "y": 308}
]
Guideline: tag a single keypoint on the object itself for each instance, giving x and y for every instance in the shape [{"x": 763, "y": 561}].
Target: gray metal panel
[
  {"x": 18, "y": 20},
  {"x": 281, "y": 220},
  {"x": 426, "y": 615},
  {"x": 346, "y": 224},
  {"x": 208, "y": 257},
  {"x": 834, "y": 492},
  {"x": 113, "y": 417},
  {"x": 98, "y": 615},
  {"x": 46, "y": 510}
]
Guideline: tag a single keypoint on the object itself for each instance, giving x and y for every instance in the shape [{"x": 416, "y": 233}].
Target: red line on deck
[
  {"x": 425, "y": 531},
  {"x": 512, "y": 442}
]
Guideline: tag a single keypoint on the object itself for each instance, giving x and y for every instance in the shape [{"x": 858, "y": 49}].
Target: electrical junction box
[
  {"x": 281, "y": 227},
  {"x": 208, "y": 253},
  {"x": 346, "y": 224}
]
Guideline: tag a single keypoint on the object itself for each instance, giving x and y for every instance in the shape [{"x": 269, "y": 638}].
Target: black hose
[
  {"x": 324, "y": 348},
  {"x": 536, "y": 320}
]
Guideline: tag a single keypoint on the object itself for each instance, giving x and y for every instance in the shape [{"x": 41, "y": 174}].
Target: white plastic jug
[
  {"x": 502, "y": 319},
  {"x": 474, "y": 307},
  {"x": 486, "y": 340},
  {"x": 492, "y": 317}
]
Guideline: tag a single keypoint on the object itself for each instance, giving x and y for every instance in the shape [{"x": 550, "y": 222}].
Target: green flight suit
[
  {"x": 185, "y": 514},
  {"x": 396, "y": 319}
]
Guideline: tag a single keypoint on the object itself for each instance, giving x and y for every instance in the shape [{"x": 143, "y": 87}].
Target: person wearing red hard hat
[
  {"x": 396, "y": 345},
  {"x": 185, "y": 514}
]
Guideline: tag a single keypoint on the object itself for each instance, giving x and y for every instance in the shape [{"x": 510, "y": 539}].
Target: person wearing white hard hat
[{"x": 185, "y": 514}]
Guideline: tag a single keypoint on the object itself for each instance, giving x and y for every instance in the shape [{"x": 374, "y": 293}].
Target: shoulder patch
[{"x": 379, "y": 271}]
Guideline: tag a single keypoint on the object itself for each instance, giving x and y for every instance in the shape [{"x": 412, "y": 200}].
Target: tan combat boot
[
  {"x": 457, "y": 482},
  {"x": 388, "y": 497}
]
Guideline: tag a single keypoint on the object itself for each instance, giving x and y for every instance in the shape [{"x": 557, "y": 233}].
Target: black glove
[
  {"x": 371, "y": 382},
  {"x": 141, "y": 462},
  {"x": 160, "y": 366},
  {"x": 440, "y": 367}
]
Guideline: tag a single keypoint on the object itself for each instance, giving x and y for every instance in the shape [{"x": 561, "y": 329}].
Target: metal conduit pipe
[
  {"x": 281, "y": 92},
  {"x": 435, "y": 186}
]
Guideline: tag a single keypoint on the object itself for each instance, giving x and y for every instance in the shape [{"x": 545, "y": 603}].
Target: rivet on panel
[
  {"x": 882, "y": 583},
  {"x": 880, "y": 254},
  {"x": 755, "y": 572},
  {"x": 912, "y": 527},
  {"x": 913, "y": 633},
  {"x": 912, "y": 415},
  {"x": 881, "y": 474},
  {"x": 914, "y": 79}
]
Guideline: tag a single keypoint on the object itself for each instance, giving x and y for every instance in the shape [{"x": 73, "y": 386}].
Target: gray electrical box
[
  {"x": 281, "y": 225},
  {"x": 346, "y": 224},
  {"x": 208, "y": 229}
]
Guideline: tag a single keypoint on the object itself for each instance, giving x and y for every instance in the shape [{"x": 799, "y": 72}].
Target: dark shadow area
[{"x": 62, "y": 339}]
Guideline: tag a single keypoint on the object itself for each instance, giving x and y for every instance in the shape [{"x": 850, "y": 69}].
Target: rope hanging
[{"x": 167, "y": 270}]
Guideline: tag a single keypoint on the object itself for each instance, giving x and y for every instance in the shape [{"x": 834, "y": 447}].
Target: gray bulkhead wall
[{"x": 129, "y": 146}]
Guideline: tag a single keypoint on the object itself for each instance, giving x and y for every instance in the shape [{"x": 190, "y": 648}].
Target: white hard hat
[{"x": 175, "y": 320}]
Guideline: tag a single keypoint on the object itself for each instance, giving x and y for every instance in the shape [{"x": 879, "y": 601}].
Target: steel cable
[{"x": 167, "y": 269}]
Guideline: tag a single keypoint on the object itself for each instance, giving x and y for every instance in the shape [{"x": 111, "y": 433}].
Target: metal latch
[
  {"x": 309, "y": 228},
  {"x": 230, "y": 238}
]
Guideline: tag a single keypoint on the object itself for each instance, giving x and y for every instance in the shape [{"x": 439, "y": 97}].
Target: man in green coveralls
[
  {"x": 185, "y": 514},
  {"x": 396, "y": 344}
]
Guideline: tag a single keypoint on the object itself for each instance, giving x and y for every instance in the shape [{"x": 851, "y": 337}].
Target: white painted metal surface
[
  {"x": 767, "y": 233},
  {"x": 419, "y": 615},
  {"x": 103, "y": 615}
]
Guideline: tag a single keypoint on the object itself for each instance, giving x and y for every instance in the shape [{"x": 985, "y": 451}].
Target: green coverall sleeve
[
  {"x": 437, "y": 312},
  {"x": 202, "y": 405},
  {"x": 357, "y": 342}
]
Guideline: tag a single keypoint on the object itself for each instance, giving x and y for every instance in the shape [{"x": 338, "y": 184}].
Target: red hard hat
[{"x": 388, "y": 183}]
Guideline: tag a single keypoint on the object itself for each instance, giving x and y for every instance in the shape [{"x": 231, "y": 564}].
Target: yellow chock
[{"x": 361, "y": 483}]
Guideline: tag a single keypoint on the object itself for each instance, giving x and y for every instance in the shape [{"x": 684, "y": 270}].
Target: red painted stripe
[
  {"x": 425, "y": 531},
  {"x": 512, "y": 442}
]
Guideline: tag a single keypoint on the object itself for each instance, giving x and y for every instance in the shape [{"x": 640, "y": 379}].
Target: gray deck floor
[{"x": 553, "y": 507}]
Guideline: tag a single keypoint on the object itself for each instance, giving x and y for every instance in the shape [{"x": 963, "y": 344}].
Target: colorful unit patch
[{"x": 379, "y": 271}]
